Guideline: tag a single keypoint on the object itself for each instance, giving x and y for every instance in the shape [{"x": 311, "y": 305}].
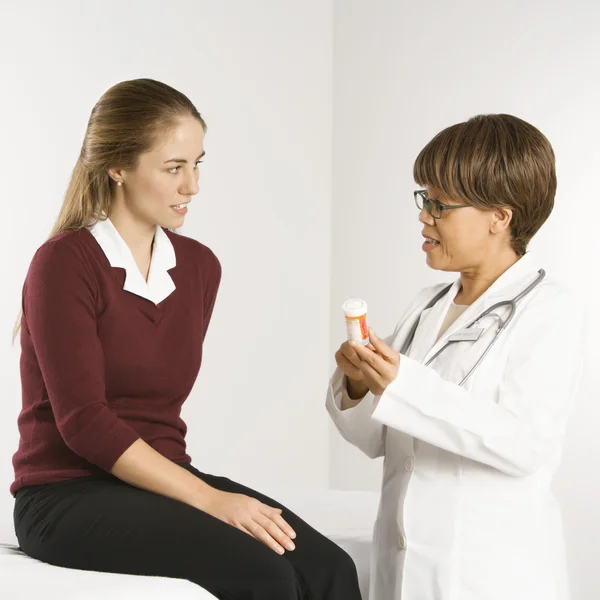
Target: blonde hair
[
  {"x": 494, "y": 161},
  {"x": 124, "y": 124}
]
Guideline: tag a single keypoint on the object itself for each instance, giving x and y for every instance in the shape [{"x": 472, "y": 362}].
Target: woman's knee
[
  {"x": 344, "y": 562},
  {"x": 281, "y": 580},
  {"x": 337, "y": 570},
  {"x": 264, "y": 577},
  {"x": 334, "y": 556}
]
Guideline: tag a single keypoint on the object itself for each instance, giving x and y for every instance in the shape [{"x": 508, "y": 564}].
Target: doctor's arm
[
  {"x": 350, "y": 404},
  {"x": 513, "y": 428},
  {"x": 353, "y": 415},
  {"x": 354, "y": 423}
]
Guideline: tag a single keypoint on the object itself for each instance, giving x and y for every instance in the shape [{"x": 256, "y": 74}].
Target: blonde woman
[{"x": 115, "y": 310}]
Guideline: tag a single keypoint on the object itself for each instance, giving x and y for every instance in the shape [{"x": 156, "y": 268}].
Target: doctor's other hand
[
  {"x": 378, "y": 368},
  {"x": 251, "y": 516},
  {"x": 349, "y": 362}
]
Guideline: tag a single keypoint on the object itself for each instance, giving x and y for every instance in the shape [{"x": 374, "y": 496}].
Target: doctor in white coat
[{"x": 467, "y": 512}]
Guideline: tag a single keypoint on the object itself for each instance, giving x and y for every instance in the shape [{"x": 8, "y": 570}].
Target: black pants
[{"x": 104, "y": 524}]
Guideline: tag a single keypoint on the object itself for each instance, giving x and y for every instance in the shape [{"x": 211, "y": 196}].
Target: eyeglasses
[{"x": 434, "y": 207}]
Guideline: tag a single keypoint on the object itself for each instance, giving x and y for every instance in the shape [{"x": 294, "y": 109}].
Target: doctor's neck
[{"x": 476, "y": 280}]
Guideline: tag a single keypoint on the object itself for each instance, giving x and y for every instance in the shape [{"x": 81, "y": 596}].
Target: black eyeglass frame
[{"x": 428, "y": 204}]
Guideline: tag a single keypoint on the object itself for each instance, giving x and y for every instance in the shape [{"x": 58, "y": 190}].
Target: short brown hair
[{"x": 494, "y": 161}]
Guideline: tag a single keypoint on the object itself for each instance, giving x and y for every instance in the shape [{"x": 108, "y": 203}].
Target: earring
[{"x": 119, "y": 183}]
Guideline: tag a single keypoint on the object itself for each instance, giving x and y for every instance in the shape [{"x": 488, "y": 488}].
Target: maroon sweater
[{"x": 102, "y": 367}]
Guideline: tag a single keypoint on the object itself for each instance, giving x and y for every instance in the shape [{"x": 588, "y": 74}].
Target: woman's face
[
  {"x": 159, "y": 189},
  {"x": 464, "y": 238}
]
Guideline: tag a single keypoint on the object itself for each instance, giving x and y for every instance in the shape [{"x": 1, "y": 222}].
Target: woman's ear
[
  {"x": 501, "y": 218},
  {"x": 116, "y": 175}
]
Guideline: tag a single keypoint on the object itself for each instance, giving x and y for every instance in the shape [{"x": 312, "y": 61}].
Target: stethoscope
[{"x": 512, "y": 304}]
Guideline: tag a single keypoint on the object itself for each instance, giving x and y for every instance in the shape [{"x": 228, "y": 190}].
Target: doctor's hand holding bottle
[{"x": 367, "y": 368}]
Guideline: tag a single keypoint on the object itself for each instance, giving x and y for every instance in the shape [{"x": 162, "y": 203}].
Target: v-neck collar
[{"x": 160, "y": 285}]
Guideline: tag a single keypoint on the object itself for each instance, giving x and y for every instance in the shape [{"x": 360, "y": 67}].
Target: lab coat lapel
[
  {"x": 507, "y": 286},
  {"x": 514, "y": 280},
  {"x": 430, "y": 322}
]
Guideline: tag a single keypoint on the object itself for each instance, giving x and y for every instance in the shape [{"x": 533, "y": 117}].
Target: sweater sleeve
[
  {"x": 59, "y": 313},
  {"x": 212, "y": 280}
]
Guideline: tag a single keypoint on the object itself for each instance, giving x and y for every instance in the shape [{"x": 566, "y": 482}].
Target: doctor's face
[{"x": 461, "y": 239}]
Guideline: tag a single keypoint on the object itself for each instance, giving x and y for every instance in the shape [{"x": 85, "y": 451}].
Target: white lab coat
[{"x": 466, "y": 510}]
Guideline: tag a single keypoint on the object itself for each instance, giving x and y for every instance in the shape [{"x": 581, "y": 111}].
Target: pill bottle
[{"x": 355, "y": 311}]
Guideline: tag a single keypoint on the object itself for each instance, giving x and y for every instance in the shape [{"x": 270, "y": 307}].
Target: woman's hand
[
  {"x": 377, "y": 368},
  {"x": 348, "y": 360},
  {"x": 254, "y": 518}
]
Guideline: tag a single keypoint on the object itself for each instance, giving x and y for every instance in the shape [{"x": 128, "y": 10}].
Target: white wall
[
  {"x": 261, "y": 75},
  {"x": 402, "y": 72}
]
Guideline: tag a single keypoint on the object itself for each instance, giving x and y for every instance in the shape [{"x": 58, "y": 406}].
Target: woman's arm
[
  {"x": 59, "y": 299},
  {"x": 143, "y": 467},
  {"x": 211, "y": 278}
]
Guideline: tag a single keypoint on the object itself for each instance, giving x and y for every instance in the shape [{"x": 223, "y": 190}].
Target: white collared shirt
[{"x": 160, "y": 284}]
